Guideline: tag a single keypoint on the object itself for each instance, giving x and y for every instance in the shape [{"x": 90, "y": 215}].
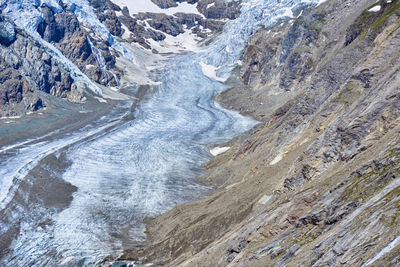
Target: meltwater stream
[{"x": 143, "y": 167}]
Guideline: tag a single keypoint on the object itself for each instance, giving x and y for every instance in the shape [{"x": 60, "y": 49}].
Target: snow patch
[
  {"x": 384, "y": 251},
  {"x": 211, "y": 72},
  {"x": 375, "y": 9},
  {"x": 127, "y": 33},
  {"x": 101, "y": 100},
  {"x": 264, "y": 200},
  {"x": 144, "y": 6},
  {"x": 210, "y": 5},
  {"x": 186, "y": 41},
  {"x": 278, "y": 158},
  {"x": 219, "y": 150}
]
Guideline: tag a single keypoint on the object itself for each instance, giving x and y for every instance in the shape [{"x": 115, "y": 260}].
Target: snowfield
[{"x": 136, "y": 7}]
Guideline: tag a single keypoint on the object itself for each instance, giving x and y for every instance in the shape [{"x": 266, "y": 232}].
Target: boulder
[{"x": 36, "y": 104}]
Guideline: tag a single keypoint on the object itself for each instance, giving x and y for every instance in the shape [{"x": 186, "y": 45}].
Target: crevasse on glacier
[
  {"x": 227, "y": 49},
  {"x": 163, "y": 149}
]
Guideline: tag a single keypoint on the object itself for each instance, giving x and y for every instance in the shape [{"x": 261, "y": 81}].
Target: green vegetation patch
[
  {"x": 364, "y": 186},
  {"x": 349, "y": 94},
  {"x": 390, "y": 10},
  {"x": 372, "y": 20},
  {"x": 308, "y": 236}
]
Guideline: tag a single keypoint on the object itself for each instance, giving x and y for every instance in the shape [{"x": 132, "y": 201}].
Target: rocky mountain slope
[
  {"x": 70, "y": 48},
  {"x": 316, "y": 183}
]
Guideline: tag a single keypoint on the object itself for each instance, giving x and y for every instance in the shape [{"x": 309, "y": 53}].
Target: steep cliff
[
  {"x": 51, "y": 58},
  {"x": 26, "y": 69},
  {"x": 70, "y": 48},
  {"x": 316, "y": 183}
]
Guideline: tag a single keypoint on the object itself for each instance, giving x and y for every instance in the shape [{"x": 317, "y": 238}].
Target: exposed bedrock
[
  {"x": 25, "y": 69},
  {"x": 156, "y": 26},
  {"x": 64, "y": 30},
  {"x": 210, "y": 8}
]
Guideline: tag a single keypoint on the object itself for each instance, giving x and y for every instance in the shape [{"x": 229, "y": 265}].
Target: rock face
[
  {"x": 64, "y": 30},
  {"x": 219, "y": 9},
  {"x": 105, "y": 11},
  {"x": 26, "y": 69},
  {"x": 91, "y": 51},
  {"x": 7, "y": 33},
  {"x": 316, "y": 183},
  {"x": 210, "y": 8},
  {"x": 142, "y": 27}
]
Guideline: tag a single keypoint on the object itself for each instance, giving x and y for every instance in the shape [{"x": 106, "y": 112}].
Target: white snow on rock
[
  {"x": 210, "y": 5},
  {"x": 264, "y": 200},
  {"x": 186, "y": 41},
  {"x": 384, "y": 251},
  {"x": 54, "y": 5},
  {"x": 136, "y": 7},
  {"x": 219, "y": 150},
  {"x": 278, "y": 158},
  {"x": 26, "y": 15},
  {"x": 86, "y": 15},
  {"x": 375, "y": 9},
  {"x": 211, "y": 72}
]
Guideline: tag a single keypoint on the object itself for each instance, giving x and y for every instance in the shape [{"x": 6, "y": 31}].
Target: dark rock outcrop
[
  {"x": 7, "y": 33},
  {"x": 63, "y": 29},
  {"x": 162, "y": 24},
  {"x": 26, "y": 68},
  {"x": 219, "y": 9},
  {"x": 165, "y": 3}
]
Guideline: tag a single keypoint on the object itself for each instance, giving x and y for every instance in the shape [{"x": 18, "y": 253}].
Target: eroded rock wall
[{"x": 26, "y": 69}]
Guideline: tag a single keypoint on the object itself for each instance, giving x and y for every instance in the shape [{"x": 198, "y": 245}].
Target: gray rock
[
  {"x": 165, "y": 3},
  {"x": 7, "y": 33},
  {"x": 36, "y": 105}
]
